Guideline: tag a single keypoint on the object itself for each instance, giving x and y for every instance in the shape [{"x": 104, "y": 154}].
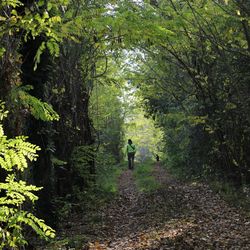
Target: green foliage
[
  {"x": 57, "y": 162},
  {"x": 33, "y": 21},
  {"x": 103, "y": 181},
  {"x": 143, "y": 133},
  {"x": 194, "y": 84},
  {"x": 39, "y": 109},
  {"x": 15, "y": 151},
  {"x": 190, "y": 62},
  {"x": 14, "y": 154},
  {"x": 64, "y": 206},
  {"x": 90, "y": 191},
  {"x": 80, "y": 158},
  {"x": 176, "y": 131},
  {"x": 107, "y": 174},
  {"x": 106, "y": 111},
  {"x": 3, "y": 114}
]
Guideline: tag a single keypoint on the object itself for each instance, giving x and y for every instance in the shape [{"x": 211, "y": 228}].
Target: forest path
[{"x": 175, "y": 216}]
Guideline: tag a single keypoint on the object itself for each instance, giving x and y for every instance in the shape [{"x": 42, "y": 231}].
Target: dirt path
[{"x": 176, "y": 216}]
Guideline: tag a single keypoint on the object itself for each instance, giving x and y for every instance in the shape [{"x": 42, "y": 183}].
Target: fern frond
[{"x": 39, "y": 109}]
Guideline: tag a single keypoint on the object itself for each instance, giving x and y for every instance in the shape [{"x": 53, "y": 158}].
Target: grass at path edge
[{"x": 144, "y": 177}]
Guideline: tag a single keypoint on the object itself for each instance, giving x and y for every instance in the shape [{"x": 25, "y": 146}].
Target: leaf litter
[{"x": 175, "y": 216}]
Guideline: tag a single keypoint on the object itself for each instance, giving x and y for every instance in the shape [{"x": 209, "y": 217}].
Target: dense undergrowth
[{"x": 98, "y": 194}]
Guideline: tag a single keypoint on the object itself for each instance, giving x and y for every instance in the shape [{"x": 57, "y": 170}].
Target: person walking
[{"x": 131, "y": 149}]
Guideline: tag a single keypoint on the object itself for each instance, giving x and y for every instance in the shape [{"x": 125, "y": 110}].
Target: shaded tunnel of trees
[{"x": 63, "y": 69}]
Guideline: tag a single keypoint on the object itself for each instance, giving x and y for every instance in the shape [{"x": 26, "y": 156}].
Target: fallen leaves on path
[{"x": 175, "y": 216}]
